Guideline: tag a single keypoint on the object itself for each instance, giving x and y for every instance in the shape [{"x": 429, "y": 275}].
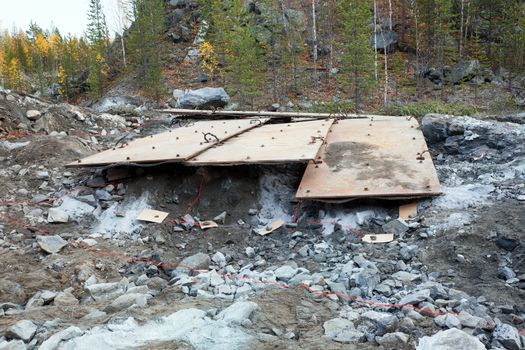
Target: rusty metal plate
[
  {"x": 375, "y": 157},
  {"x": 174, "y": 145},
  {"x": 274, "y": 143}
]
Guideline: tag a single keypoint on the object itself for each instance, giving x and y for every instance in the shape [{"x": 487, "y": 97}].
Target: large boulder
[
  {"x": 385, "y": 41},
  {"x": 463, "y": 71},
  {"x": 452, "y": 339},
  {"x": 204, "y": 98}
]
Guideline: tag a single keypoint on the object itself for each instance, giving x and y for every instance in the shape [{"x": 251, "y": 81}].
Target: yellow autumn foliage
[{"x": 209, "y": 60}]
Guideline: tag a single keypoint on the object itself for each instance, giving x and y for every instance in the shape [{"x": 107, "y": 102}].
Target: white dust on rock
[
  {"x": 126, "y": 224},
  {"x": 190, "y": 326}
]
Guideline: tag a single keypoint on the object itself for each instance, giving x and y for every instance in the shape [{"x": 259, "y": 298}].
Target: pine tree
[
  {"x": 358, "y": 57},
  {"x": 97, "y": 36},
  {"x": 244, "y": 55},
  {"x": 145, "y": 44}
]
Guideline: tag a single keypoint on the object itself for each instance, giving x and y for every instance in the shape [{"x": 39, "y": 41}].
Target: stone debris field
[{"x": 242, "y": 256}]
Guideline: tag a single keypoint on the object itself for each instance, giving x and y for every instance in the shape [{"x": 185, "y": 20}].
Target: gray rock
[
  {"x": 405, "y": 277},
  {"x": 219, "y": 259},
  {"x": 384, "y": 322},
  {"x": 451, "y": 339},
  {"x": 51, "y": 244},
  {"x": 393, "y": 340},
  {"x": 408, "y": 252},
  {"x": 342, "y": 331},
  {"x": 203, "y": 98},
  {"x": 13, "y": 345},
  {"x": 52, "y": 342},
  {"x": 33, "y": 114},
  {"x": 448, "y": 321},
  {"x": 463, "y": 71},
  {"x": 435, "y": 127},
  {"x": 416, "y": 298},
  {"x": 238, "y": 312},
  {"x": 221, "y": 218},
  {"x": 199, "y": 261},
  {"x": 468, "y": 320},
  {"x": 507, "y": 336},
  {"x": 367, "y": 278},
  {"x": 285, "y": 273},
  {"x": 56, "y": 215},
  {"x": 104, "y": 291},
  {"x": 506, "y": 273},
  {"x": 250, "y": 252},
  {"x": 24, "y": 330},
  {"x": 127, "y": 300},
  {"x": 65, "y": 299},
  {"x": 396, "y": 227},
  {"x": 103, "y": 195},
  {"x": 385, "y": 41},
  {"x": 188, "y": 222},
  {"x": 42, "y": 175}
]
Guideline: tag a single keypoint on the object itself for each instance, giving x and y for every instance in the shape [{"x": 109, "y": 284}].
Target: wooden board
[
  {"x": 383, "y": 238},
  {"x": 174, "y": 145},
  {"x": 269, "y": 229},
  {"x": 408, "y": 211},
  {"x": 274, "y": 143},
  {"x": 378, "y": 157},
  {"x": 150, "y": 215}
]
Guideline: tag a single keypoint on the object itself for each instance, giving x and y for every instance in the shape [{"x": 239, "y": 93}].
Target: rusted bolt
[
  {"x": 79, "y": 161},
  {"x": 127, "y": 158},
  {"x": 307, "y": 191},
  {"x": 366, "y": 188},
  {"x": 153, "y": 147}
]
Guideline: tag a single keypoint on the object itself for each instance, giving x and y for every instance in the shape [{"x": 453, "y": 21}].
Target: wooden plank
[
  {"x": 150, "y": 215},
  {"x": 408, "y": 211},
  {"x": 174, "y": 145},
  {"x": 274, "y": 143},
  {"x": 267, "y": 230},
  {"x": 382, "y": 238},
  {"x": 378, "y": 157},
  {"x": 265, "y": 114}
]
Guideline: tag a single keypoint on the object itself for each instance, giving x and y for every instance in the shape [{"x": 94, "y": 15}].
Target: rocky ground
[{"x": 79, "y": 271}]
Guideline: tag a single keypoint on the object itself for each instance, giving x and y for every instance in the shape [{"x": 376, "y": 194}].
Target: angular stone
[
  {"x": 33, "y": 114},
  {"x": 507, "y": 336},
  {"x": 65, "y": 299},
  {"x": 342, "y": 331},
  {"x": 405, "y": 277},
  {"x": 237, "y": 313},
  {"x": 416, "y": 298},
  {"x": 285, "y": 273},
  {"x": 393, "y": 340},
  {"x": 52, "y": 342},
  {"x": 51, "y": 244},
  {"x": 104, "y": 291},
  {"x": 56, "y": 215},
  {"x": 396, "y": 227},
  {"x": 219, "y": 259},
  {"x": 127, "y": 300},
  {"x": 449, "y": 321},
  {"x": 13, "y": 345},
  {"x": 451, "y": 339},
  {"x": 384, "y": 322},
  {"x": 24, "y": 330},
  {"x": 199, "y": 261},
  {"x": 203, "y": 98}
]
